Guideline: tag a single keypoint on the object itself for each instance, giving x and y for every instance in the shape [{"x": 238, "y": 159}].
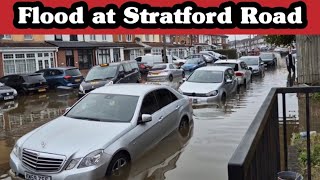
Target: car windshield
[
  {"x": 34, "y": 78},
  {"x": 266, "y": 56},
  {"x": 101, "y": 73},
  {"x": 251, "y": 61},
  {"x": 193, "y": 61},
  {"x": 73, "y": 72},
  {"x": 105, "y": 108},
  {"x": 159, "y": 67},
  {"x": 204, "y": 76}
]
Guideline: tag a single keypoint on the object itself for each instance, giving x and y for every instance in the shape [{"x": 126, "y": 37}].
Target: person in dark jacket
[{"x": 290, "y": 61}]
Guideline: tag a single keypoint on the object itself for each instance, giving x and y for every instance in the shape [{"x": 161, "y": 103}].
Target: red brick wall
[
  {"x": 61, "y": 56},
  {"x": 76, "y": 58},
  {"x": 1, "y": 65}
]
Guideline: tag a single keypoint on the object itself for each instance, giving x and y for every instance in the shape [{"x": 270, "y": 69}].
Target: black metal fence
[{"x": 258, "y": 155}]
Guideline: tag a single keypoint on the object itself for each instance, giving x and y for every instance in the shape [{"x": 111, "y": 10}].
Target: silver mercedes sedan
[
  {"x": 101, "y": 133},
  {"x": 209, "y": 84}
]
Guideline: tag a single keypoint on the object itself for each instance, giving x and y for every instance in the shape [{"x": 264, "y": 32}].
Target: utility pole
[
  {"x": 164, "y": 51},
  {"x": 235, "y": 41}
]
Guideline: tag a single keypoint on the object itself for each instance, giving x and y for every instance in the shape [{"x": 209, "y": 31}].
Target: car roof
[
  {"x": 62, "y": 68},
  {"x": 228, "y": 61},
  {"x": 28, "y": 74},
  {"x": 133, "y": 89},
  {"x": 249, "y": 57},
  {"x": 214, "y": 68}
]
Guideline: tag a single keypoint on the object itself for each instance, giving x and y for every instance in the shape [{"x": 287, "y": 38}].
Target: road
[{"x": 203, "y": 154}]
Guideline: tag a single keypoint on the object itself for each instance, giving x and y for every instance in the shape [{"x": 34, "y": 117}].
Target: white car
[
  {"x": 241, "y": 69},
  {"x": 178, "y": 61},
  {"x": 101, "y": 133}
]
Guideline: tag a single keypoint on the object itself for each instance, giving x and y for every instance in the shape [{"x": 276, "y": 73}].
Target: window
[
  {"x": 243, "y": 65},
  {"x": 73, "y": 37},
  {"x": 119, "y": 38},
  {"x": 121, "y": 68},
  {"x": 164, "y": 97},
  {"x": 171, "y": 66},
  {"x": 92, "y": 37},
  {"x": 104, "y": 37},
  {"x": 104, "y": 56},
  {"x": 28, "y": 37},
  {"x": 147, "y": 37},
  {"x": 128, "y": 38},
  {"x": 127, "y": 67},
  {"x": 149, "y": 104},
  {"x": 7, "y": 37},
  {"x": 58, "y": 37}
]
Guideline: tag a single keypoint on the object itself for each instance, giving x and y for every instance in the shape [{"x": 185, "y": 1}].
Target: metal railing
[{"x": 258, "y": 155}]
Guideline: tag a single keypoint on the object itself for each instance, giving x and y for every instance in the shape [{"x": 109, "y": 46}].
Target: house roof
[
  {"x": 25, "y": 45},
  {"x": 105, "y": 44},
  {"x": 71, "y": 44},
  {"x": 160, "y": 44}
]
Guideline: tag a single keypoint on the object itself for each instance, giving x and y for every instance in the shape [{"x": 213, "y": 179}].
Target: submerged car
[
  {"x": 209, "y": 84},
  {"x": 165, "y": 72},
  {"x": 7, "y": 93},
  {"x": 26, "y": 83},
  {"x": 255, "y": 64},
  {"x": 107, "y": 74},
  {"x": 62, "y": 76},
  {"x": 241, "y": 69},
  {"x": 193, "y": 64},
  {"x": 269, "y": 58},
  {"x": 101, "y": 133}
]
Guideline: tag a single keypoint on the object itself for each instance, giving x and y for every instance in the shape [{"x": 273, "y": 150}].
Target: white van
[{"x": 150, "y": 59}]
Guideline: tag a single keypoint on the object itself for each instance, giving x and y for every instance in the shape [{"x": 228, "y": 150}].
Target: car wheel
[
  {"x": 183, "y": 74},
  {"x": 118, "y": 165},
  {"x": 170, "y": 78},
  {"x": 184, "y": 127}
]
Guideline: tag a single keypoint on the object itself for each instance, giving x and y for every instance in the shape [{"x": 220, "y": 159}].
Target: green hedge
[{"x": 230, "y": 53}]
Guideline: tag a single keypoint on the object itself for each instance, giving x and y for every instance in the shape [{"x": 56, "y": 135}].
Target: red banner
[{"x": 9, "y": 23}]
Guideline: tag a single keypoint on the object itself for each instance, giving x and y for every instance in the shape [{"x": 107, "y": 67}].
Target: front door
[{"x": 69, "y": 58}]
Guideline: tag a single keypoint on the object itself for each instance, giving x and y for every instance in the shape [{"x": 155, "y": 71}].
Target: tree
[{"x": 279, "y": 40}]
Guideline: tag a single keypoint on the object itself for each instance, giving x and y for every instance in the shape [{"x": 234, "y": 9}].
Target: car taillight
[
  {"x": 239, "y": 74},
  {"x": 142, "y": 66},
  {"x": 67, "y": 77}
]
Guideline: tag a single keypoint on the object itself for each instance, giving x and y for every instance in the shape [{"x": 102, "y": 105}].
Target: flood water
[{"x": 202, "y": 154}]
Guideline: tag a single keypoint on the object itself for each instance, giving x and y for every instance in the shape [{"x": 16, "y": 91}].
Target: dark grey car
[
  {"x": 107, "y": 74},
  {"x": 7, "y": 93}
]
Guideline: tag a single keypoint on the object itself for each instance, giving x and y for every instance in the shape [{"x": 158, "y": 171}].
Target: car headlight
[
  {"x": 73, "y": 163},
  {"x": 91, "y": 159},
  {"x": 212, "y": 93},
  {"x": 16, "y": 150},
  {"x": 109, "y": 83},
  {"x": 81, "y": 88},
  {"x": 15, "y": 92}
]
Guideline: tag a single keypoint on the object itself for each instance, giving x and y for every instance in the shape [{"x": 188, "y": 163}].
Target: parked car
[
  {"x": 209, "y": 84},
  {"x": 7, "y": 93},
  {"x": 165, "y": 72},
  {"x": 255, "y": 64},
  {"x": 215, "y": 54},
  {"x": 193, "y": 64},
  {"x": 150, "y": 59},
  {"x": 25, "y": 83},
  {"x": 62, "y": 76},
  {"x": 205, "y": 57},
  {"x": 107, "y": 74},
  {"x": 178, "y": 61},
  {"x": 242, "y": 71},
  {"x": 210, "y": 54},
  {"x": 98, "y": 138},
  {"x": 269, "y": 58}
]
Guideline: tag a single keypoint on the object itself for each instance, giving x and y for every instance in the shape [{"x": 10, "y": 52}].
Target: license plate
[
  {"x": 8, "y": 97},
  {"x": 41, "y": 90},
  {"x": 195, "y": 101},
  {"x": 154, "y": 73},
  {"x": 29, "y": 176},
  {"x": 77, "y": 80}
]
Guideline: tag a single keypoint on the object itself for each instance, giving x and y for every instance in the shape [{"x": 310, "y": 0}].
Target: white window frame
[
  {"x": 104, "y": 37},
  {"x": 28, "y": 37},
  {"x": 92, "y": 37},
  {"x": 128, "y": 37},
  {"x": 7, "y": 37},
  {"x": 147, "y": 37},
  {"x": 120, "y": 38}
]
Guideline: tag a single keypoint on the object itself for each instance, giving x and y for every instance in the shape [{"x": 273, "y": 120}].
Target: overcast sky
[{"x": 238, "y": 36}]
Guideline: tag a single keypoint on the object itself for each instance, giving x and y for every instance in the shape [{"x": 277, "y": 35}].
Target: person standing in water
[{"x": 290, "y": 61}]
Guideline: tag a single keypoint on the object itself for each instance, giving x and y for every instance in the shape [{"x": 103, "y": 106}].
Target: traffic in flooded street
[{"x": 203, "y": 151}]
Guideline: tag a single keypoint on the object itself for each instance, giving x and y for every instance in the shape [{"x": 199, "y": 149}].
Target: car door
[
  {"x": 227, "y": 86},
  {"x": 148, "y": 134},
  {"x": 234, "y": 83},
  {"x": 245, "y": 70},
  {"x": 169, "y": 107},
  {"x": 173, "y": 71},
  {"x": 121, "y": 75}
]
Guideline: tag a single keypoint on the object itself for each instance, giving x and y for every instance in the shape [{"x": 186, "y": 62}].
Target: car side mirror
[
  {"x": 145, "y": 118},
  {"x": 229, "y": 81}
]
